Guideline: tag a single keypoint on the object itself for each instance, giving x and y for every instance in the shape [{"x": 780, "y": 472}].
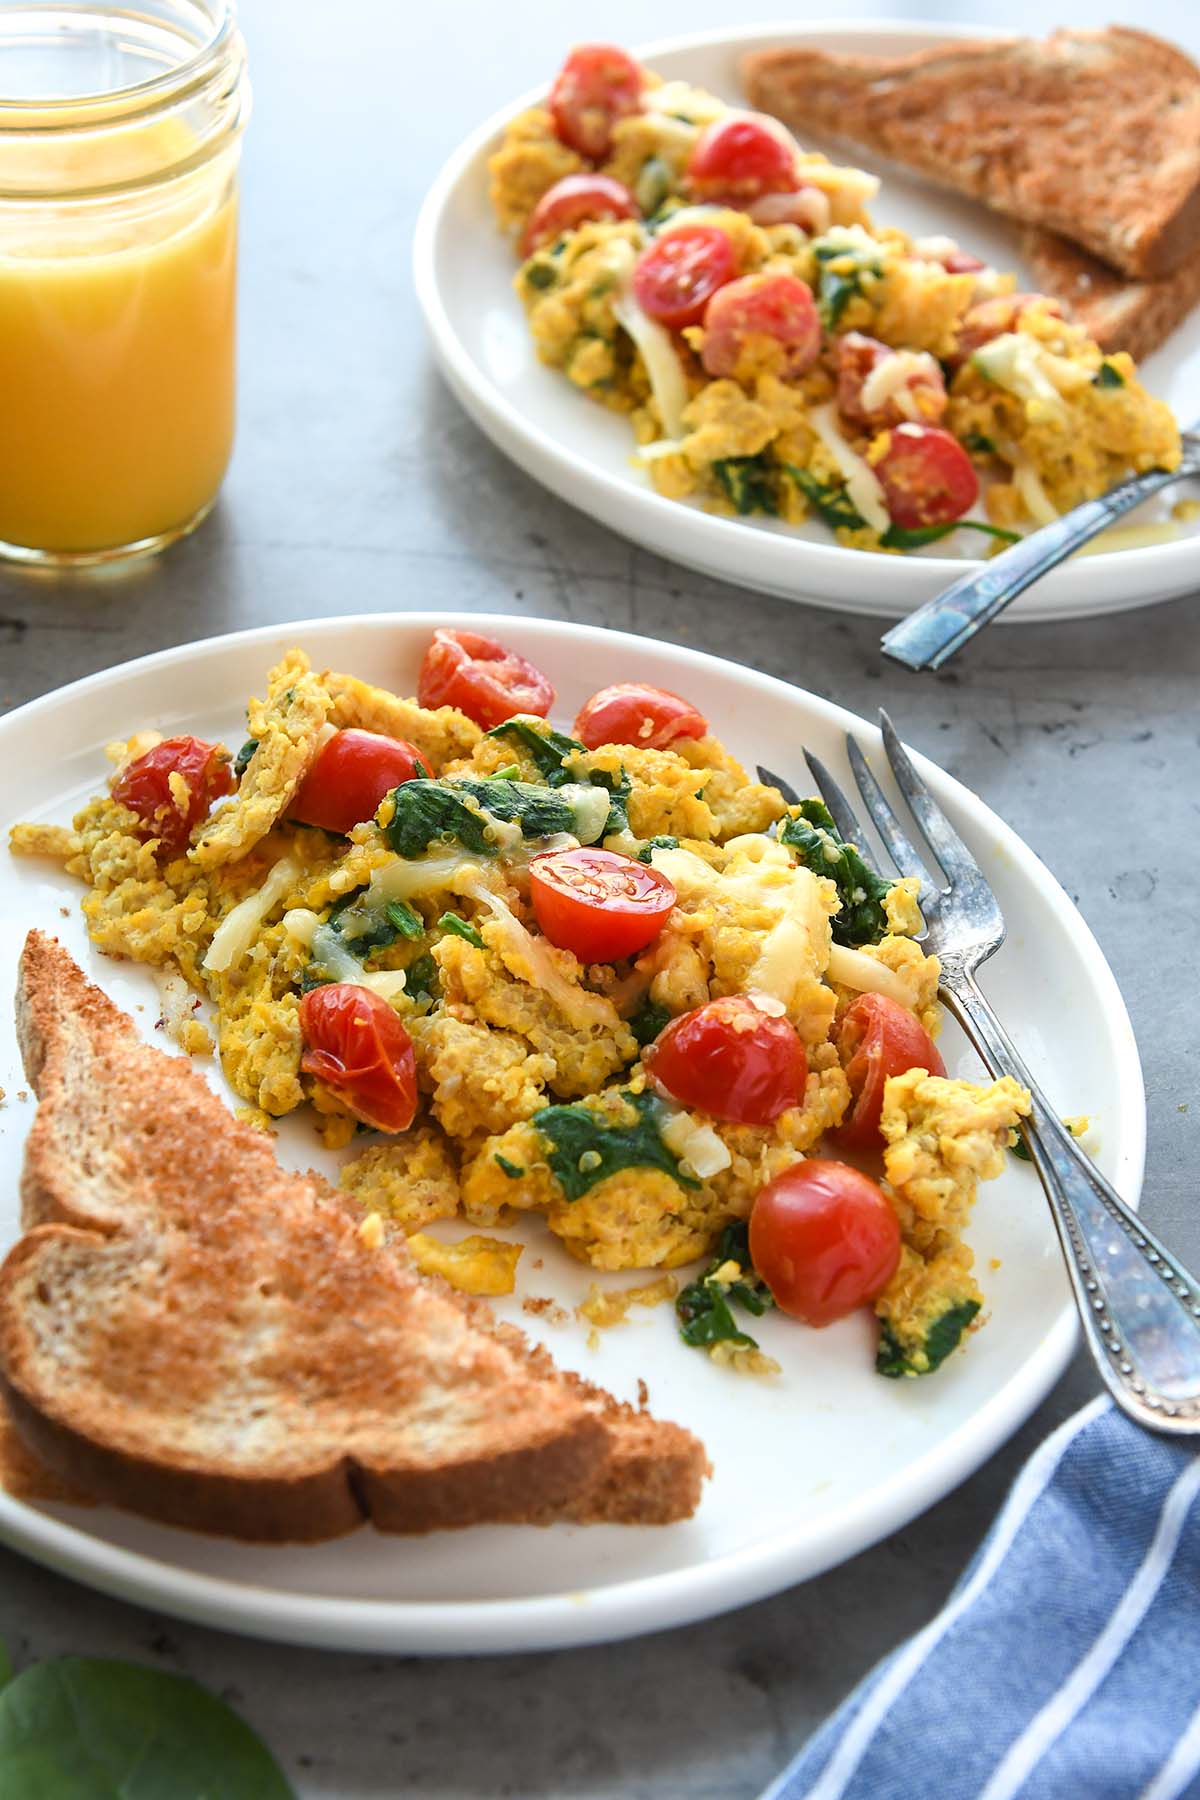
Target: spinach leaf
[
  {"x": 840, "y": 278},
  {"x": 361, "y": 930},
  {"x": 1108, "y": 376},
  {"x": 462, "y": 928},
  {"x": 585, "y": 1148},
  {"x": 747, "y": 483},
  {"x": 513, "y": 1170},
  {"x": 648, "y": 1021},
  {"x": 899, "y": 537},
  {"x": 421, "y": 984},
  {"x": 830, "y": 499},
  {"x": 665, "y": 842},
  {"x": 241, "y": 761},
  {"x": 539, "y": 273},
  {"x": 80, "y": 1728},
  {"x": 703, "y": 1308},
  {"x": 619, "y": 788},
  {"x": 819, "y": 845},
  {"x": 548, "y": 749},
  {"x": 894, "y": 1359},
  {"x": 977, "y": 441},
  {"x": 429, "y": 812}
]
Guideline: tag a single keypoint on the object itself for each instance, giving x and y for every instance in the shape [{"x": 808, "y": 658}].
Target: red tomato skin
[
  {"x": 143, "y": 786},
  {"x": 927, "y": 477},
  {"x": 674, "y": 280},
  {"x": 357, "y": 1046},
  {"x": 351, "y": 775},
  {"x": 481, "y": 678},
  {"x": 732, "y": 1059},
  {"x": 825, "y": 1239},
  {"x": 571, "y": 202},
  {"x": 598, "y": 904},
  {"x": 740, "y": 158},
  {"x": 772, "y": 305},
  {"x": 961, "y": 262},
  {"x": 597, "y": 85},
  {"x": 989, "y": 319},
  {"x": 876, "y": 1039},
  {"x": 857, "y": 356},
  {"x": 631, "y": 713}
]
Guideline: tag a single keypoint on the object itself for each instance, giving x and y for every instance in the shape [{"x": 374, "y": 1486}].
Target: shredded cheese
[
  {"x": 1028, "y": 484},
  {"x": 894, "y": 377},
  {"x": 862, "y": 483},
  {"x": 534, "y": 964},
  {"x": 867, "y": 975},
  {"x": 668, "y": 383},
  {"x": 237, "y": 931},
  {"x": 696, "y": 1144}
]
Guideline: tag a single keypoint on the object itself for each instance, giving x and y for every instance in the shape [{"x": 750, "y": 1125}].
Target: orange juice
[{"x": 116, "y": 340}]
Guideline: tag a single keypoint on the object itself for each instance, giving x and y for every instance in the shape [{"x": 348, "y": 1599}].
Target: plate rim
[
  {"x": 642, "y": 1604},
  {"x": 1156, "y": 565}
]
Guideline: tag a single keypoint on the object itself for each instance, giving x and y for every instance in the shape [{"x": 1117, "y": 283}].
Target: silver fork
[{"x": 1140, "y": 1307}]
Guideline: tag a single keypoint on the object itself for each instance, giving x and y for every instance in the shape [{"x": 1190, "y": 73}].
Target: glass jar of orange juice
[{"x": 120, "y": 132}]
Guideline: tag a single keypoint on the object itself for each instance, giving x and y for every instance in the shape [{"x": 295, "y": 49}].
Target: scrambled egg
[
  {"x": 1046, "y": 418},
  {"x": 533, "y": 1093}
]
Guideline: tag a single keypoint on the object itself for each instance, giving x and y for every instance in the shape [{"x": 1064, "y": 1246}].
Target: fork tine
[
  {"x": 776, "y": 781},
  {"x": 953, "y": 857},
  {"x": 887, "y": 825},
  {"x": 843, "y": 813}
]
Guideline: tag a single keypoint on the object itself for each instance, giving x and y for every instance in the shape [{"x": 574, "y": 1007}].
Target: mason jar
[{"x": 120, "y": 133}]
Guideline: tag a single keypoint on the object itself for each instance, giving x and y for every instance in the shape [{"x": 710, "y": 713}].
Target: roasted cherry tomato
[
  {"x": 878, "y": 1038},
  {"x": 571, "y": 202},
  {"x": 872, "y": 403},
  {"x": 737, "y": 1058},
  {"x": 352, "y": 773},
  {"x": 597, "y": 903},
  {"x": 825, "y": 1239},
  {"x": 740, "y": 158},
  {"x": 597, "y": 85},
  {"x": 632, "y": 713},
  {"x": 481, "y": 678},
  {"x": 675, "y": 279},
  {"x": 771, "y": 305},
  {"x": 927, "y": 477},
  {"x": 992, "y": 318},
  {"x": 356, "y": 1045},
  {"x": 144, "y": 786}
]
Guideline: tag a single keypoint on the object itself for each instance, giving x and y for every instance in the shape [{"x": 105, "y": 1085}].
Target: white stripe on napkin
[
  {"x": 1048, "y": 1725},
  {"x": 1034, "y": 1478},
  {"x": 1179, "y": 1767}
]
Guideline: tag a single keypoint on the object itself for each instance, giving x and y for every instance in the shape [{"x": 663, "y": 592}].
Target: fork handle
[
  {"x": 939, "y": 629},
  {"x": 1140, "y": 1307}
]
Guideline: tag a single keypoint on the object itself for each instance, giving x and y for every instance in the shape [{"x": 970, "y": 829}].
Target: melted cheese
[
  {"x": 862, "y": 483},
  {"x": 696, "y": 1144},
  {"x": 536, "y": 966},
  {"x": 894, "y": 377},
  {"x": 668, "y": 383},
  {"x": 867, "y": 975},
  {"x": 238, "y": 930}
]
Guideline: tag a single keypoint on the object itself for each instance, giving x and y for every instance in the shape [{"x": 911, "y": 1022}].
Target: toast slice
[
  {"x": 191, "y": 1332},
  {"x": 1093, "y": 134},
  {"x": 1118, "y": 313}
]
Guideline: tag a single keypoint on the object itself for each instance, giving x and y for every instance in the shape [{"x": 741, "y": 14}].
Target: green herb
[
  {"x": 421, "y": 979},
  {"x": 837, "y": 287},
  {"x": 819, "y": 845},
  {"x": 80, "y": 1728},
  {"x": 830, "y": 499},
  {"x": 703, "y": 1308},
  {"x": 586, "y": 1148},
  {"x": 1020, "y": 1149},
  {"x": 241, "y": 761},
  {"x": 747, "y": 483},
  {"x": 513, "y": 1170},
  {"x": 653, "y": 184},
  {"x": 1108, "y": 376},
  {"x": 893, "y": 1358},
  {"x": 648, "y": 1021},
  {"x": 361, "y": 930},
  {"x": 898, "y": 537},
  {"x": 540, "y": 274},
  {"x": 510, "y": 772},
  {"x": 406, "y": 918},
  {"x": 460, "y": 928},
  {"x": 981, "y": 444},
  {"x": 619, "y": 789},
  {"x": 431, "y": 812},
  {"x": 656, "y": 843},
  {"x": 546, "y": 748}
]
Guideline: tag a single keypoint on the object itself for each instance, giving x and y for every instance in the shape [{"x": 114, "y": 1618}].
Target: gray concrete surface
[{"x": 358, "y": 485}]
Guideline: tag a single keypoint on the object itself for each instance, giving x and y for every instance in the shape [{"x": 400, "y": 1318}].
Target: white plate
[
  {"x": 464, "y": 269},
  {"x": 811, "y": 1467}
]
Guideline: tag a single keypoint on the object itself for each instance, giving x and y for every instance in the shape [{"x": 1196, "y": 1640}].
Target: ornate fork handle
[
  {"x": 1139, "y": 1306},
  {"x": 939, "y": 629}
]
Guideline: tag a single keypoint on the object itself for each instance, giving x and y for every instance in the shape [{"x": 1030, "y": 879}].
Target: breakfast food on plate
[
  {"x": 1091, "y": 133},
  {"x": 1118, "y": 312},
  {"x": 601, "y": 976},
  {"x": 690, "y": 265},
  {"x": 191, "y": 1332}
]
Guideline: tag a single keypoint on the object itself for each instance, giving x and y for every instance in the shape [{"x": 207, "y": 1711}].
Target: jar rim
[{"x": 115, "y": 105}]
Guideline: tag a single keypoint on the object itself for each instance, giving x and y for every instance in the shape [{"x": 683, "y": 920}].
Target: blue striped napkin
[{"x": 1065, "y": 1665}]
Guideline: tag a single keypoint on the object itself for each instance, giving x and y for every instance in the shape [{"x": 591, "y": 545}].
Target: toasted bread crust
[
  {"x": 1119, "y": 313},
  {"x": 190, "y": 1332},
  {"x": 1093, "y": 134}
]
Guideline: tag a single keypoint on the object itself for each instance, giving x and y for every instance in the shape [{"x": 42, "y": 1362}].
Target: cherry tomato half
[
  {"x": 675, "y": 279},
  {"x": 481, "y": 678},
  {"x": 765, "y": 305},
  {"x": 740, "y": 158},
  {"x": 992, "y": 318},
  {"x": 927, "y": 477},
  {"x": 921, "y": 396},
  {"x": 571, "y": 202},
  {"x": 825, "y": 1240},
  {"x": 350, "y": 776},
  {"x": 597, "y": 85},
  {"x": 597, "y": 903},
  {"x": 735, "y": 1058},
  {"x": 144, "y": 786},
  {"x": 357, "y": 1046},
  {"x": 629, "y": 712},
  {"x": 878, "y": 1038}
]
